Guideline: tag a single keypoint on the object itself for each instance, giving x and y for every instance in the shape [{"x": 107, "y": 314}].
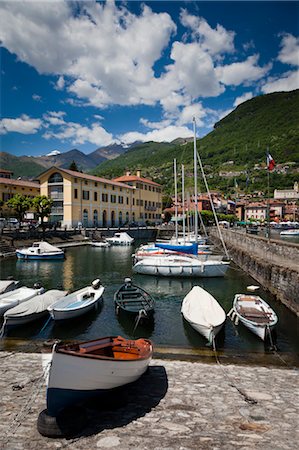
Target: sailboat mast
[
  {"x": 175, "y": 200},
  {"x": 183, "y": 201},
  {"x": 195, "y": 182}
]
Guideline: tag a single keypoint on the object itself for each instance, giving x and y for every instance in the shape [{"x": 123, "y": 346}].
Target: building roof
[
  {"x": 22, "y": 183},
  {"x": 5, "y": 171},
  {"x": 126, "y": 178},
  {"x": 86, "y": 176}
]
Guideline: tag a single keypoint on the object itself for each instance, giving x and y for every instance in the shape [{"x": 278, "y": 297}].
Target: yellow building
[
  {"x": 10, "y": 187},
  {"x": 148, "y": 198},
  {"x": 94, "y": 201}
]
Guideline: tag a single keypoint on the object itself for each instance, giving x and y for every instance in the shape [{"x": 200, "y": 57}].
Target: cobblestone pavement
[{"x": 175, "y": 405}]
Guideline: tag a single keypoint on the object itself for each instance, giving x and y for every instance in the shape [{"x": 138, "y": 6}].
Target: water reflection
[{"x": 112, "y": 265}]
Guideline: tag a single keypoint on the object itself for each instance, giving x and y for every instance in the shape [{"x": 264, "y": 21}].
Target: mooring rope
[{"x": 37, "y": 384}]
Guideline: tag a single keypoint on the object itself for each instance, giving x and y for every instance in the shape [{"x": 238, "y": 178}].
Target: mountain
[
  {"x": 83, "y": 161},
  {"x": 235, "y": 148},
  {"x": 25, "y": 167},
  {"x": 109, "y": 152}
]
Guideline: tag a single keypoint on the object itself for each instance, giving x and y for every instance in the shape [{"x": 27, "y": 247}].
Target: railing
[
  {"x": 58, "y": 210},
  {"x": 150, "y": 208},
  {"x": 56, "y": 195}
]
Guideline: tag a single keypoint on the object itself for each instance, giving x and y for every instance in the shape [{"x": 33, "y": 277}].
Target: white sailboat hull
[{"x": 180, "y": 267}]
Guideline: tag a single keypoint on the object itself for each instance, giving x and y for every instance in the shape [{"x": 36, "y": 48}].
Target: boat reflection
[
  {"x": 196, "y": 340},
  {"x": 143, "y": 329}
]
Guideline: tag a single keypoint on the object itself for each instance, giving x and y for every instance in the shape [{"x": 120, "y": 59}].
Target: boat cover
[
  {"x": 191, "y": 249},
  {"x": 45, "y": 247},
  {"x": 202, "y": 308},
  {"x": 37, "y": 304},
  {"x": 7, "y": 285}
]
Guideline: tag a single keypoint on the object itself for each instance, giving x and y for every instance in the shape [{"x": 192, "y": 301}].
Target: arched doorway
[
  {"x": 120, "y": 218},
  {"x": 85, "y": 218},
  {"x": 112, "y": 218},
  {"x": 104, "y": 218},
  {"x": 95, "y": 218}
]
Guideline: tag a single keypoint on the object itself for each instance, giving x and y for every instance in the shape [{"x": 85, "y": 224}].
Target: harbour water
[{"x": 112, "y": 265}]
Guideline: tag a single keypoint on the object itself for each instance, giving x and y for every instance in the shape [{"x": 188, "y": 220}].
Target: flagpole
[
  {"x": 268, "y": 203},
  {"x": 175, "y": 200}
]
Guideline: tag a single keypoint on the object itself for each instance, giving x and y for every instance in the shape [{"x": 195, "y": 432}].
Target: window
[
  {"x": 104, "y": 197},
  {"x": 113, "y": 187},
  {"x": 75, "y": 180},
  {"x": 120, "y": 199},
  {"x": 55, "y": 178},
  {"x": 133, "y": 201},
  {"x": 95, "y": 184},
  {"x": 75, "y": 193},
  {"x": 95, "y": 196},
  {"x": 105, "y": 186},
  {"x": 85, "y": 195},
  {"x": 127, "y": 200},
  {"x": 86, "y": 182},
  {"x": 149, "y": 188},
  {"x": 141, "y": 202},
  {"x": 113, "y": 198},
  {"x": 145, "y": 187}
]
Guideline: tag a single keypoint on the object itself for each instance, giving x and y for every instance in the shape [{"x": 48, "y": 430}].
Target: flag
[{"x": 270, "y": 162}]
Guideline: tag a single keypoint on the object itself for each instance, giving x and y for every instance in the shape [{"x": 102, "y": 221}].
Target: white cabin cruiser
[{"x": 121, "y": 238}]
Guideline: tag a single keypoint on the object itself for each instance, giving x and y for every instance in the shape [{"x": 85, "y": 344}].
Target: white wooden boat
[
  {"x": 33, "y": 309},
  {"x": 17, "y": 296},
  {"x": 254, "y": 313},
  {"x": 180, "y": 266},
  {"x": 202, "y": 311},
  {"x": 40, "y": 251},
  {"x": 120, "y": 239},
  {"x": 86, "y": 369},
  {"x": 101, "y": 244},
  {"x": 78, "y": 302},
  {"x": 8, "y": 285}
]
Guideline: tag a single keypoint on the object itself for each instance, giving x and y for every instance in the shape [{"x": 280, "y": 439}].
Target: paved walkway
[{"x": 175, "y": 405}]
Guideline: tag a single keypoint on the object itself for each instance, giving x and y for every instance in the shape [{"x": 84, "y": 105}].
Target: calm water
[{"x": 112, "y": 265}]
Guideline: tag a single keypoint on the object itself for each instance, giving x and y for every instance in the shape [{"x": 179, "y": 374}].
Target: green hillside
[
  {"x": 20, "y": 166},
  {"x": 240, "y": 139}
]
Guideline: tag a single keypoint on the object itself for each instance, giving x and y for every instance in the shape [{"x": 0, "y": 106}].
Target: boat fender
[
  {"x": 236, "y": 320},
  {"x": 67, "y": 423}
]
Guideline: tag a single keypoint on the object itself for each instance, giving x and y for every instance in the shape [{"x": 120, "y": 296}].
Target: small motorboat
[
  {"x": 33, "y": 309},
  {"x": 134, "y": 300},
  {"x": 120, "y": 239},
  {"x": 290, "y": 233},
  {"x": 202, "y": 311},
  {"x": 254, "y": 313},
  {"x": 78, "y": 302},
  {"x": 101, "y": 244},
  {"x": 40, "y": 250},
  {"x": 20, "y": 295},
  {"x": 8, "y": 285},
  {"x": 82, "y": 370}
]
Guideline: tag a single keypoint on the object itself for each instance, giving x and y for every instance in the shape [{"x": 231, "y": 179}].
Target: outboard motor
[
  {"x": 37, "y": 285},
  {"x": 96, "y": 283},
  {"x": 128, "y": 282}
]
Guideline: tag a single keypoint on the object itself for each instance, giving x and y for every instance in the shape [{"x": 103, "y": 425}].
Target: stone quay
[{"x": 175, "y": 405}]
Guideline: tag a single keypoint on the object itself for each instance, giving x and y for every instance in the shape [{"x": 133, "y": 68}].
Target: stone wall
[{"x": 272, "y": 263}]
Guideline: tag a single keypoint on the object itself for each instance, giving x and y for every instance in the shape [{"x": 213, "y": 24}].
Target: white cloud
[
  {"x": 23, "y": 125},
  {"x": 214, "y": 41},
  {"x": 78, "y": 134},
  {"x": 243, "y": 98},
  {"x": 167, "y": 134},
  {"x": 242, "y": 72},
  {"x": 155, "y": 125},
  {"x": 289, "y": 53},
  {"x": 188, "y": 112},
  {"x": 60, "y": 84},
  {"x": 288, "y": 81},
  {"x": 37, "y": 98}
]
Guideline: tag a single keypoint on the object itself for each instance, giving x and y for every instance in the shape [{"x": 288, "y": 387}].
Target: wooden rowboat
[
  {"x": 133, "y": 300},
  {"x": 82, "y": 370},
  {"x": 254, "y": 313}
]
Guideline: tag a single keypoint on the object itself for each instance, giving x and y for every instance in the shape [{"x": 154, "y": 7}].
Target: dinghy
[
  {"x": 254, "y": 313},
  {"x": 101, "y": 244},
  {"x": 133, "y": 300},
  {"x": 82, "y": 370},
  {"x": 78, "y": 302},
  {"x": 120, "y": 239},
  {"x": 17, "y": 296},
  {"x": 181, "y": 266},
  {"x": 40, "y": 251},
  {"x": 8, "y": 285},
  {"x": 202, "y": 311},
  {"x": 33, "y": 309}
]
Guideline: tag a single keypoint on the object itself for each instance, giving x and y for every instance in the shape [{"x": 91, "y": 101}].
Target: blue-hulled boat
[{"x": 40, "y": 251}]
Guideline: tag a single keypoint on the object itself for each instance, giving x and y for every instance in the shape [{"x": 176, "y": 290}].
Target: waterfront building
[
  {"x": 6, "y": 173},
  {"x": 287, "y": 194},
  {"x": 90, "y": 201},
  {"x": 10, "y": 187}
]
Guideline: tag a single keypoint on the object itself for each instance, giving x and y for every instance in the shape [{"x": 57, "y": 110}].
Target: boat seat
[{"x": 129, "y": 295}]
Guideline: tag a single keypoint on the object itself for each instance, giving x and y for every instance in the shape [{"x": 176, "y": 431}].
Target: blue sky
[{"x": 89, "y": 74}]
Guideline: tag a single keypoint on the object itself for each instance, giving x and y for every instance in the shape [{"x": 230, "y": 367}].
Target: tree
[
  {"x": 42, "y": 206},
  {"x": 73, "y": 166},
  {"x": 21, "y": 204}
]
